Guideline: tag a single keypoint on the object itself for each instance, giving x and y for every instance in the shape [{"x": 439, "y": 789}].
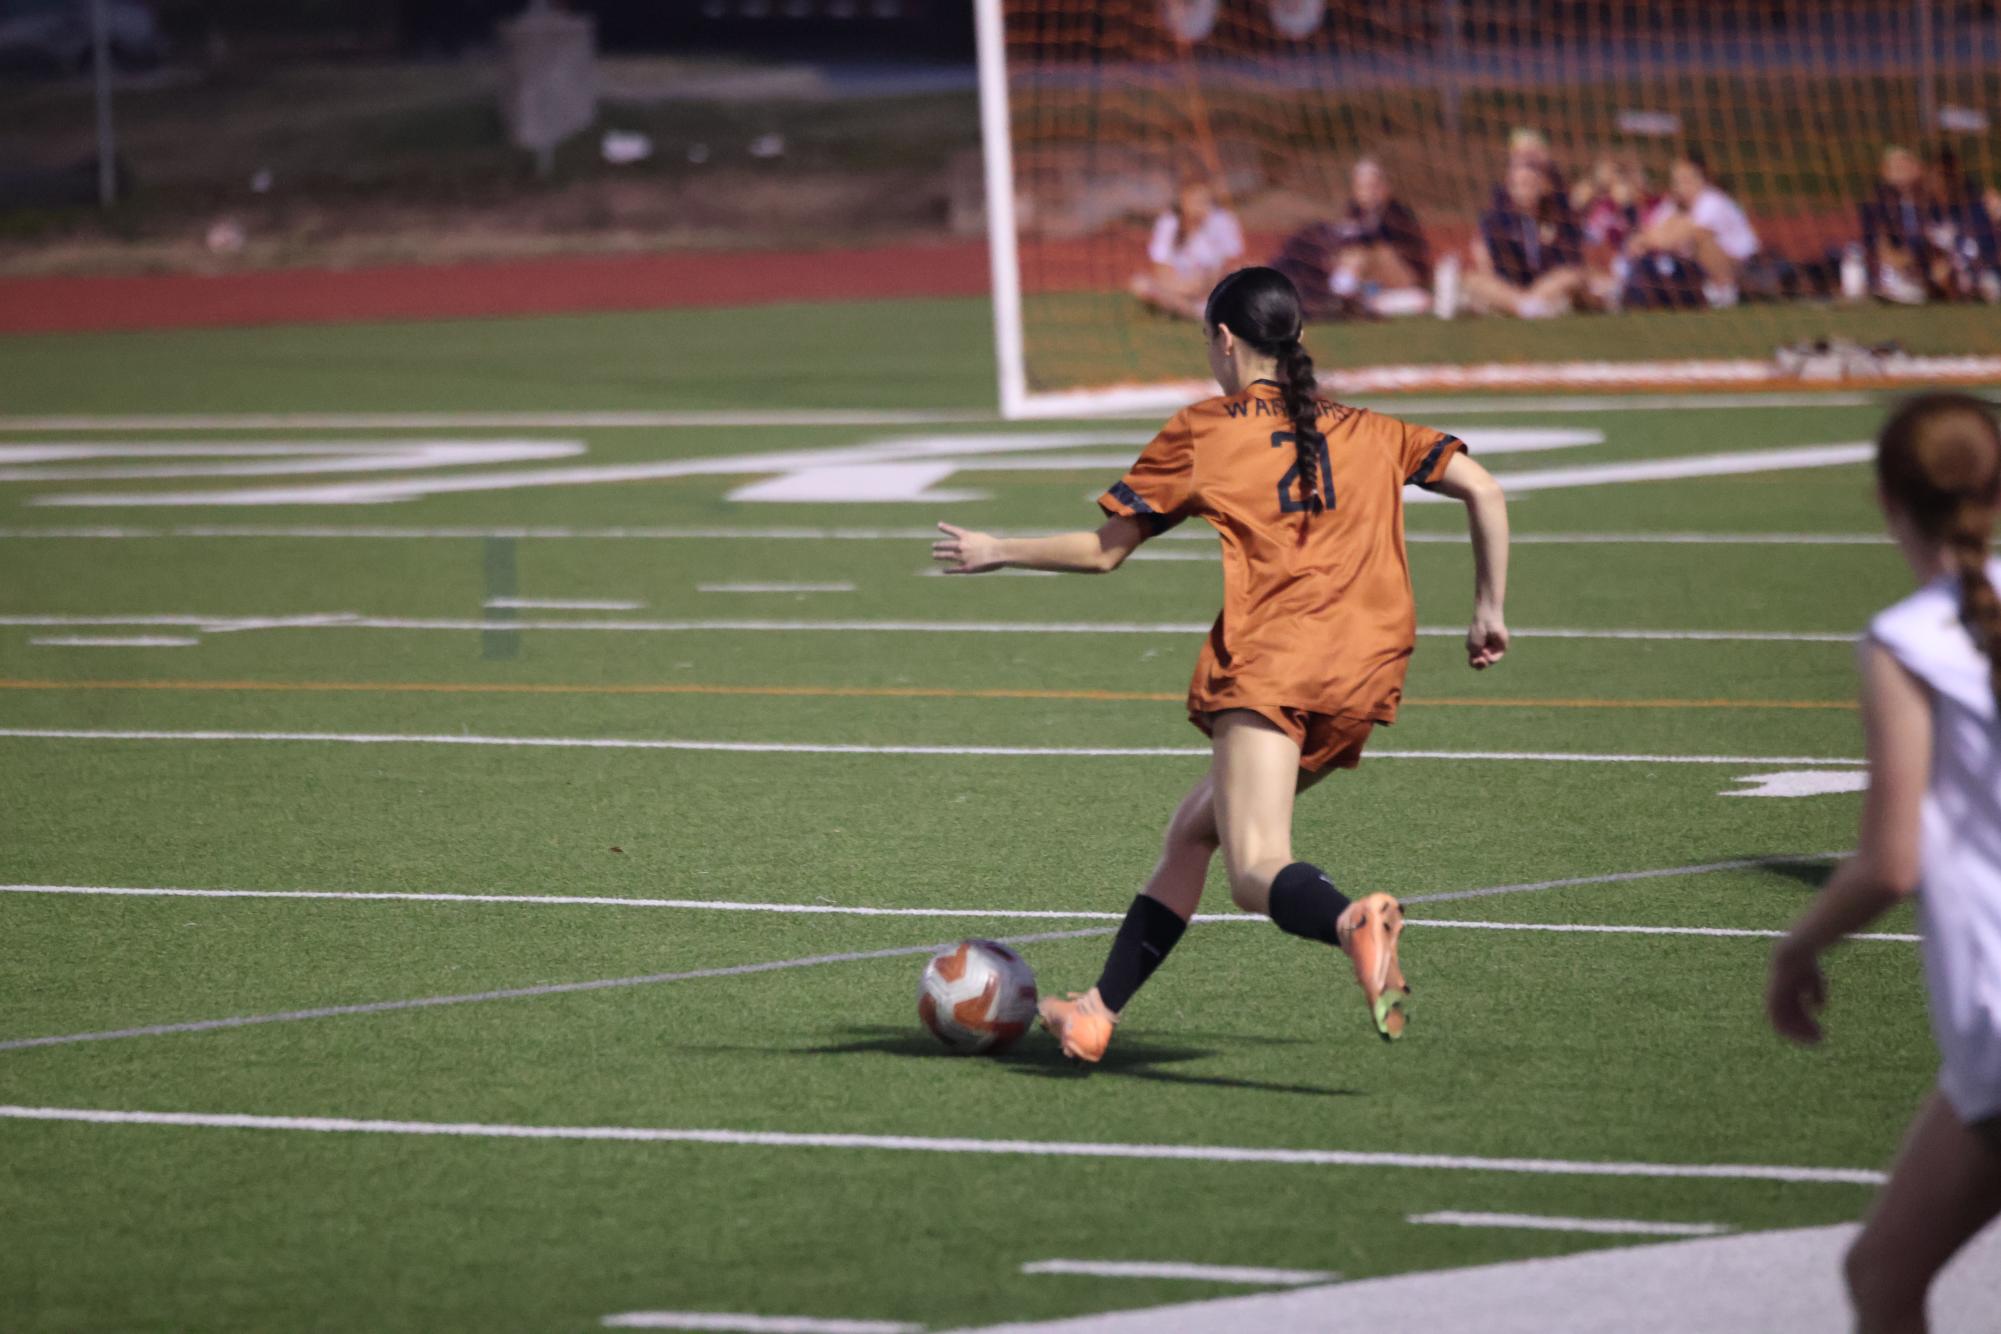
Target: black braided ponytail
[
  {"x": 1261, "y": 307},
  {"x": 1939, "y": 462}
]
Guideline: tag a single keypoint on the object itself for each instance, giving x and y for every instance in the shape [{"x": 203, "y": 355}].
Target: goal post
[{"x": 1834, "y": 259}]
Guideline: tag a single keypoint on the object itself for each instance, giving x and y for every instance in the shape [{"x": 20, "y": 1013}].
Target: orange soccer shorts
[{"x": 1326, "y": 740}]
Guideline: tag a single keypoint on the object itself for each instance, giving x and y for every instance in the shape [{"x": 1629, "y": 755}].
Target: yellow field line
[{"x": 864, "y": 692}]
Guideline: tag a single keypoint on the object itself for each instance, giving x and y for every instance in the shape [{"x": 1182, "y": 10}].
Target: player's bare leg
[
  {"x": 1082, "y": 1024},
  {"x": 1945, "y": 1188},
  {"x": 1556, "y": 290},
  {"x": 1256, "y": 771},
  {"x": 1489, "y": 294}
]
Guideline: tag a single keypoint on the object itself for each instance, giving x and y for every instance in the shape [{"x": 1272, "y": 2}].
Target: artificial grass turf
[
  {"x": 903, "y": 354},
  {"x": 1085, "y": 339},
  {"x": 1525, "y": 1043}
]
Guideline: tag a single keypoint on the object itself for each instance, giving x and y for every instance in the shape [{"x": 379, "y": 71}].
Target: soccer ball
[{"x": 978, "y": 996}]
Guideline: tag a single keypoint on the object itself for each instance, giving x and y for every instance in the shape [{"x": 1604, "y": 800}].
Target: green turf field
[{"x": 373, "y": 747}]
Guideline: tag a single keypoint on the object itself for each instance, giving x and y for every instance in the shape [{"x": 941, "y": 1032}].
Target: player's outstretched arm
[
  {"x": 1487, "y": 519},
  {"x": 966, "y": 552},
  {"x": 1897, "y": 731}
]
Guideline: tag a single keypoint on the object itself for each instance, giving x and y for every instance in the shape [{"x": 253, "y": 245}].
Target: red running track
[{"x": 516, "y": 287}]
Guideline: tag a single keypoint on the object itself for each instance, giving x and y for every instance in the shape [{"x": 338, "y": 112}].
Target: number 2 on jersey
[{"x": 1291, "y": 497}]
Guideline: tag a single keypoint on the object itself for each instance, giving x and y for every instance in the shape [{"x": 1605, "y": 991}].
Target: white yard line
[
  {"x": 735, "y": 625},
  {"x": 509, "y": 993},
  {"x": 775, "y": 588},
  {"x": 1013, "y": 1148},
  {"x": 114, "y": 641},
  {"x": 1199, "y": 1273},
  {"x": 580, "y": 900},
  {"x": 385, "y": 533},
  {"x": 44, "y": 463},
  {"x": 1685, "y": 467},
  {"x": 985, "y": 914},
  {"x": 1673, "y": 539},
  {"x": 1616, "y": 1227},
  {"x": 813, "y": 748},
  {"x": 1616, "y": 877},
  {"x": 563, "y": 604},
  {"x": 753, "y": 1324}
]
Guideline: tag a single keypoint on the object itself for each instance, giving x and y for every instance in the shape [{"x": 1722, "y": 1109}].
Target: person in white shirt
[
  {"x": 1699, "y": 223},
  {"x": 1931, "y": 827},
  {"x": 1193, "y": 245}
]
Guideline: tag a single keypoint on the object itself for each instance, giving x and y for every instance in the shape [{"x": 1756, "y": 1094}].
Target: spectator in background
[
  {"x": 1908, "y": 241},
  {"x": 1530, "y": 148},
  {"x": 1973, "y": 217},
  {"x": 1529, "y": 258},
  {"x": 1194, "y": 244},
  {"x": 1693, "y": 245},
  {"x": 1374, "y": 259},
  {"x": 1610, "y": 204},
  {"x": 1383, "y": 257}
]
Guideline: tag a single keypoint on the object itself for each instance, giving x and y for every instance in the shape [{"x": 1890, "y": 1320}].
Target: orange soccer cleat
[
  {"x": 1369, "y": 930},
  {"x": 1082, "y": 1025}
]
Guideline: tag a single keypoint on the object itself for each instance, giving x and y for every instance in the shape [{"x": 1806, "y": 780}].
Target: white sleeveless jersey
[{"x": 1959, "y": 898}]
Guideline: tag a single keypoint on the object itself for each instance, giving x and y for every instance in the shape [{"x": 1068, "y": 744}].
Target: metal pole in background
[
  {"x": 1452, "y": 74},
  {"x": 107, "y": 146},
  {"x": 1927, "y": 69}
]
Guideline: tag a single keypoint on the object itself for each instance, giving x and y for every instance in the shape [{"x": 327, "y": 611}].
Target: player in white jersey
[{"x": 1931, "y": 826}]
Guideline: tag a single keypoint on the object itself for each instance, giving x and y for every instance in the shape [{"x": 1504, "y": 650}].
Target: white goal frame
[{"x": 1019, "y": 400}]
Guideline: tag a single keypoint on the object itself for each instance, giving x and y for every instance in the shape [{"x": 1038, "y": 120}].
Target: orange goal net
[{"x": 1497, "y": 193}]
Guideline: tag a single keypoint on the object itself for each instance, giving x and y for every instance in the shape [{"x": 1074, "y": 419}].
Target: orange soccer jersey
[{"x": 1317, "y": 606}]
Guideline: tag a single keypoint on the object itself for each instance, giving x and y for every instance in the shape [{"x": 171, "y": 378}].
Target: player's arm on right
[
  {"x": 1487, "y": 521},
  {"x": 1153, "y": 496},
  {"x": 1897, "y": 732}
]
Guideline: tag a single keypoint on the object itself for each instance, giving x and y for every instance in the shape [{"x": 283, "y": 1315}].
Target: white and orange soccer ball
[{"x": 978, "y": 996}]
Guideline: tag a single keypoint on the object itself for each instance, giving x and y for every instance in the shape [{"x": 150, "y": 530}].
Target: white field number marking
[
  {"x": 1547, "y": 1223},
  {"x": 753, "y": 1324},
  {"x": 562, "y": 604},
  {"x": 114, "y": 641},
  {"x": 841, "y": 586},
  {"x": 1800, "y": 783},
  {"x": 1199, "y": 1273}
]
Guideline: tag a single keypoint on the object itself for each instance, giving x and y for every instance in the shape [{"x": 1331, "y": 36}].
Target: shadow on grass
[
  {"x": 1811, "y": 874},
  {"x": 1131, "y": 1057}
]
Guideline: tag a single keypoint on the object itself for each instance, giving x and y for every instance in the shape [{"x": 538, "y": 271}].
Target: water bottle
[{"x": 1854, "y": 274}]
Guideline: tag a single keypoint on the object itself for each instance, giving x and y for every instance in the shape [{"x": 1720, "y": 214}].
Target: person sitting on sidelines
[
  {"x": 1971, "y": 223},
  {"x": 1909, "y": 241},
  {"x": 1374, "y": 260},
  {"x": 1383, "y": 258},
  {"x": 1609, "y": 205},
  {"x": 1529, "y": 258},
  {"x": 1194, "y": 244},
  {"x": 1693, "y": 245}
]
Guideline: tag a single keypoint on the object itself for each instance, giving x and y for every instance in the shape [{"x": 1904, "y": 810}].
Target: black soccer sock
[
  {"x": 1150, "y": 930},
  {"x": 1305, "y": 903}
]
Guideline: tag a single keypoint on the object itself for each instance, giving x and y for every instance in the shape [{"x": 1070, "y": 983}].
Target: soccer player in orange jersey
[{"x": 1310, "y": 651}]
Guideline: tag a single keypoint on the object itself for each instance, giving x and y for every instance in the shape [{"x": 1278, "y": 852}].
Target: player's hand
[
  {"x": 966, "y": 552},
  {"x": 1486, "y": 640},
  {"x": 1794, "y": 990}
]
